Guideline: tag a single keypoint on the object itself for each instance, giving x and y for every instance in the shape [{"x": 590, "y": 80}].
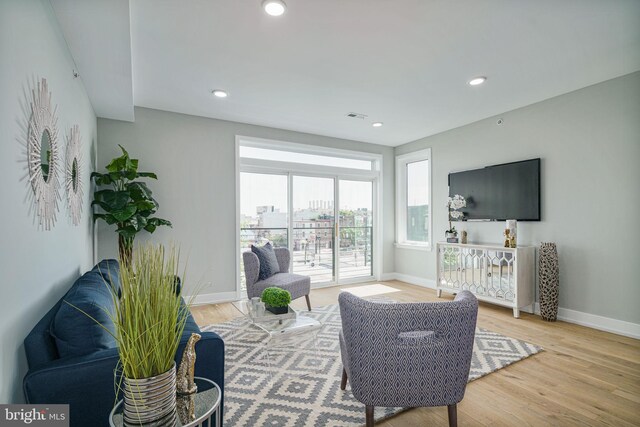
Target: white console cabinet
[{"x": 493, "y": 273}]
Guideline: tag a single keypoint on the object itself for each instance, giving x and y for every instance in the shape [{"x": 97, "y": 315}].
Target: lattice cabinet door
[
  {"x": 449, "y": 266},
  {"x": 473, "y": 270},
  {"x": 503, "y": 276},
  {"x": 500, "y": 270}
]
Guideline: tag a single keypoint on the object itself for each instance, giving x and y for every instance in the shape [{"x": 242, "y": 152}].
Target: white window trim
[{"x": 401, "y": 200}]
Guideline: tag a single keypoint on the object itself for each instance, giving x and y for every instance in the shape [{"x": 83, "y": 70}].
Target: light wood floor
[{"x": 584, "y": 377}]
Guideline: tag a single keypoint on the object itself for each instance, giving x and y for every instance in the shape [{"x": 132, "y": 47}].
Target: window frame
[
  {"x": 401, "y": 200},
  {"x": 376, "y": 175}
]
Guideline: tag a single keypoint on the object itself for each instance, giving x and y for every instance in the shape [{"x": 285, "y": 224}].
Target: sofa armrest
[{"x": 87, "y": 383}]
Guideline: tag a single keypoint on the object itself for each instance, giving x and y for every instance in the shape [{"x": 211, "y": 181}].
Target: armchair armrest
[
  {"x": 251, "y": 267},
  {"x": 284, "y": 259}
]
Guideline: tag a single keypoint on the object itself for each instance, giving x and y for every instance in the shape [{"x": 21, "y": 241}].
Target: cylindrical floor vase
[
  {"x": 549, "y": 281},
  {"x": 149, "y": 399}
]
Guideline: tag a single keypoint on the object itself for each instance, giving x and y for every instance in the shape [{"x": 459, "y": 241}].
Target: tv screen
[{"x": 500, "y": 192}]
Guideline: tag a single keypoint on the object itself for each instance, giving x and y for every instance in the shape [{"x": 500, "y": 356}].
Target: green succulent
[{"x": 276, "y": 297}]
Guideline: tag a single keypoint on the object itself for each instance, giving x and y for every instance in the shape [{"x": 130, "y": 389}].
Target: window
[
  {"x": 413, "y": 200},
  {"x": 303, "y": 158},
  {"x": 317, "y": 201}
]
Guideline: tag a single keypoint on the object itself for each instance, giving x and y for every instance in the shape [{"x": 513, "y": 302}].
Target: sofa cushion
[
  {"x": 74, "y": 332},
  {"x": 268, "y": 261}
]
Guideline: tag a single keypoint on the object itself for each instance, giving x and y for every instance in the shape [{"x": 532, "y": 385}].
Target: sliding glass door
[
  {"x": 264, "y": 207},
  {"x": 355, "y": 229},
  {"x": 313, "y": 200},
  {"x": 299, "y": 212}
]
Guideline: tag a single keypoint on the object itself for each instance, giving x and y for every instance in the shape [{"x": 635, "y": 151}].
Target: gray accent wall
[
  {"x": 589, "y": 142},
  {"x": 194, "y": 158},
  {"x": 37, "y": 266}
]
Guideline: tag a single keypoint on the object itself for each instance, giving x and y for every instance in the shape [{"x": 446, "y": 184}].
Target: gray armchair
[
  {"x": 297, "y": 285},
  {"x": 407, "y": 354}
]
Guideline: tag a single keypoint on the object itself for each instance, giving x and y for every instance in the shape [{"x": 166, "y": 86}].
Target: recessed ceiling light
[
  {"x": 477, "y": 81},
  {"x": 274, "y": 7},
  {"x": 376, "y": 124},
  {"x": 220, "y": 93}
]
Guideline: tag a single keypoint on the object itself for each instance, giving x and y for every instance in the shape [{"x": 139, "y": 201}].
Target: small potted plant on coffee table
[{"x": 276, "y": 300}]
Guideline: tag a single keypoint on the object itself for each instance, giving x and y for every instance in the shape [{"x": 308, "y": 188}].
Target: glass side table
[
  {"x": 287, "y": 336},
  {"x": 206, "y": 404}
]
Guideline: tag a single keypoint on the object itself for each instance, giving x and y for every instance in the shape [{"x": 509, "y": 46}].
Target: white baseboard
[
  {"x": 594, "y": 321},
  {"x": 213, "y": 298}
]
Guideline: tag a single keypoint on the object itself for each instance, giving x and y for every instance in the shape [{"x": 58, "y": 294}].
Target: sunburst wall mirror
[
  {"x": 43, "y": 155},
  {"x": 73, "y": 175}
]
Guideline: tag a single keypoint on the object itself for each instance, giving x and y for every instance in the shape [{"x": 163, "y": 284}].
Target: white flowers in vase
[{"x": 454, "y": 204}]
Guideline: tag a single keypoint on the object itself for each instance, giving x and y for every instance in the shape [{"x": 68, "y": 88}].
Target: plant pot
[
  {"x": 149, "y": 399},
  {"x": 451, "y": 237},
  {"x": 278, "y": 310}
]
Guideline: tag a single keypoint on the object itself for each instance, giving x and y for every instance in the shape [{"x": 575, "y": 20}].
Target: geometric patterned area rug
[{"x": 302, "y": 387}]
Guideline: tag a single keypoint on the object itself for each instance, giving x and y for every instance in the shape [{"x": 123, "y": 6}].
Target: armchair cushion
[
  {"x": 296, "y": 284},
  {"x": 74, "y": 332},
  {"x": 268, "y": 261}
]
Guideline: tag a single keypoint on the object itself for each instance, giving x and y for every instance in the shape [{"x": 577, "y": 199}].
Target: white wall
[
  {"x": 37, "y": 266},
  {"x": 589, "y": 142},
  {"x": 194, "y": 158}
]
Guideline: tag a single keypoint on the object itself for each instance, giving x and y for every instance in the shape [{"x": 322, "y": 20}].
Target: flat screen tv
[{"x": 500, "y": 192}]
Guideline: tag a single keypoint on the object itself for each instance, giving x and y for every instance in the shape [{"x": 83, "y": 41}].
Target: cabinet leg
[
  {"x": 438, "y": 292},
  {"x": 516, "y": 312}
]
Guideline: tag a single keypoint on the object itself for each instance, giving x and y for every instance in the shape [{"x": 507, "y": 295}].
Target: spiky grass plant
[{"x": 149, "y": 316}]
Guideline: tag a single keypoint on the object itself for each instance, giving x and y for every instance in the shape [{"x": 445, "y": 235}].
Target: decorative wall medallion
[
  {"x": 73, "y": 175},
  {"x": 43, "y": 155}
]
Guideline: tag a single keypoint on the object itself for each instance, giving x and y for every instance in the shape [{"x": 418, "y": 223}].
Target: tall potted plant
[
  {"x": 128, "y": 203},
  {"x": 149, "y": 320}
]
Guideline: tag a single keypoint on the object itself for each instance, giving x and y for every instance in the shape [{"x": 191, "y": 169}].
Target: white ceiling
[{"x": 403, "y": 62}]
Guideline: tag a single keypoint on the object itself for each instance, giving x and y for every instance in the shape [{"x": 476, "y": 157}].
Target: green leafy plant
[
  {"x": 276, "y": 297},
  {"x": 128, "y": 204}
]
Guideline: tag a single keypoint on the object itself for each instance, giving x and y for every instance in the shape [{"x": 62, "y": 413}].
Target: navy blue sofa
[{"x": 71, "y": 361}]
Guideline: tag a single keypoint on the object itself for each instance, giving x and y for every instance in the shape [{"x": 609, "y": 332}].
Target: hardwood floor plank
[{"x": 584, "y": 377}]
